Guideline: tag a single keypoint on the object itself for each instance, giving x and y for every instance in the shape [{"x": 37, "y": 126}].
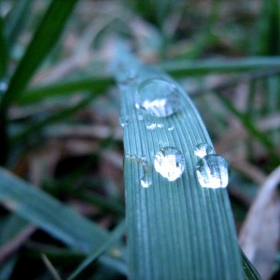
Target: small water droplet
[
  {"x": 170, "y": 128},
  {"x": 160, "y": 125},
  {"x": 212, "y": 172},
  {"x": 128, "y": 156},
  {"x": 126, "y": 76},
  {"x": 124, "y": 120},
  {"x": 146, "y": 180},
  {"x": 140, "y": 117},
  {"x": 158, "y": 97},
  {"x": 170, "y": 163},
  {"x": 202, "y": 150},
  {"x": 151, "y": 125}
]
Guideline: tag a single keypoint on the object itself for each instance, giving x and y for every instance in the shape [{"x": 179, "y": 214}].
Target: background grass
[{"x": 59, "y": 127}]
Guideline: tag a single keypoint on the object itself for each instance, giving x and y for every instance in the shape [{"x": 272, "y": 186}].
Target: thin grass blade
[
  {"x": 3, "y": 51},
  {"x": 114, "y": 236},
  {"x": 49, "y": 214},
  {"x": 44, "y": 39}
]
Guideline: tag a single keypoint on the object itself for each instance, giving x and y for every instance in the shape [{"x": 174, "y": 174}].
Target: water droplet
[
  {"x": 170, "y": 163},
  {"x": 126, "y": 76},
  {"x": 202, "y": 150},
  {"x": 158, "y": 97},
  {"x": 140, "y": 117},
  {"x": 160, "y": 125},
  {"x": 151, "y": 125},
  {"x": 128, "y": 156},
  {"x": 124, "y": 120},
  {"x": 170, "y": 128},
  {"x": 146, "y": 180},
  {"x": 212, "y": 172}
]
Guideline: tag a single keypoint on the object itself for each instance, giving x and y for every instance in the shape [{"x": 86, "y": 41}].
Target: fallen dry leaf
[{"x": 260, "y": 233}]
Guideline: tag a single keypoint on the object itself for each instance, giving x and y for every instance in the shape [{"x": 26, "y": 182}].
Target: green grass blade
[
  {"x": 183, "y": 68},
  {"x": 27, "y": 132},
  {"x": 176, "y": 230},
  {"x": 114, "y": 236},
  {"x": 3, "y": 50},
  {"x": 95, "y": 85},
  {"x": 42, "y": 42},
  {"x": 249, "y": 125},
  {"x": 49, "y": 214}
]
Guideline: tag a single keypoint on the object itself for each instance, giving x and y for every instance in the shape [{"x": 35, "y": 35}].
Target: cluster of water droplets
[{"x": 212, "y": 170}]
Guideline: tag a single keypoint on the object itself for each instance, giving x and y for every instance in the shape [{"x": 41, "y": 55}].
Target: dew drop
[
  {"x": 202, "y": 150},
  {"x": 140, "y": 117},
  {"x": 170, "y": 163},
  {"x": 124, "y": 120},
  {"x": 146, "y": 180},
  {"x": 151, "y": 125},
  {"x": 170, "y": 128},
  {"x": 212, "y": 172},
  {"x": 126, "y": 76},
  {"x": 158, "y": 97}
]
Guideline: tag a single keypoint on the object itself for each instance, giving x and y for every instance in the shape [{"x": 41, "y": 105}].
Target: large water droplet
[
  {"x": 170, "y": 163},
  {"x": 202, "y": 150},
  {"x": 212, "y": 172},
  {"x": 124, "y": 120},
  {"x": 158, "y": 97}
]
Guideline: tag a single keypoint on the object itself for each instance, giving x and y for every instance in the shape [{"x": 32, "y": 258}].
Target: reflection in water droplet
[
  {"x": 170, "y": 163},
  {"x": 158, "y": 97},
  {"x": 151, "y": 125},
  {"x": 212, "y": 172},
  {"x": 202, "y": 150},
  {"x": 124, "y": 120},
  {"x": 160, "y": 125},
  {"x": 170, "y": 128}
]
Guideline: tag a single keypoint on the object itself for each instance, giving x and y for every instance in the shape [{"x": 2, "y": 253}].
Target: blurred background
[{"x": 63, "y": 130}]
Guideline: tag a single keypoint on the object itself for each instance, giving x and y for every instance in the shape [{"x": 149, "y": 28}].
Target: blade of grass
[
  {"x": 249, "y": 125},
  {"x": 49, "y": 214},
  {"x": 176, "y": 230},
  {"x": 183, "y": 68},
  {"x": 95, "y": 85},
  {"x": 114, "y": 236},
  {"x": 62, "y": 114},
  {"x": 42, "y": 42}
]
